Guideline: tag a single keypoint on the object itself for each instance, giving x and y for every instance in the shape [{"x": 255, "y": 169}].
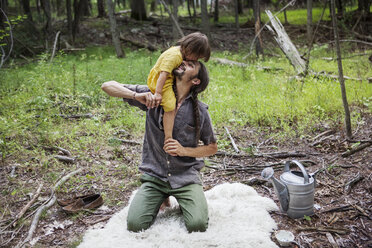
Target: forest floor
[{"x": 342, "y": 209}]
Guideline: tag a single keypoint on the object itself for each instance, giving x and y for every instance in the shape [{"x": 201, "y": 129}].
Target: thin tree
[
  {"x": 69, "y": 17},
  {"x": 101, "y": 9},
  {"x": 114, "y": 30},
  {"x": 309, "y": 27},
  {"x": 236, "y": 3},
  {"x": 205, "y": 18},
  {"x": 27, "y": 9},
  {"x": 215, "y": 11},
  {"x": 48, "y": 15},
  {"x": 78, "y": 13},
  {"x": 176, "y": 35},
  {"x": 340, "y": 72},
  {"x": 138, "y": 10},
  {"x": 257, "y": 26}
]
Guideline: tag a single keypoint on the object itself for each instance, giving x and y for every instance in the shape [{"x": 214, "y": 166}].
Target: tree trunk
[
  {"x": 26, "y": 9},
  {"x": 257, "y": 26},
  {"x": 193, "y": 7},
  {"x": 48, "y": 15},
  {"x": 340, "y": 9},
  {"x": 153, "y": 5},
  {"x": 114, "y": 31},
  {"x": 138, "y": 10},
  {"x": 240, "y": 7},
  {"x": 38, "y": 6},
  {"x": 189, "y": 10},
  {"x": 197, "y": 3},
  {"x": 236, "y": 3},
  {"x": 69, "y": 17},
  {"x": 78, "y": 13},
  {"x": 364, "y": 6},
  {"x": 86, "y": 7},
  {"x": 285, "y": 17},
  {"x": 4, "y": 7},
  {"x": 216, "y": 11},
  {"x": 309, "y": 27},
  {"x": 176, "y": 35},
  {"x": 340, "y": 72},
  {"x": 101, "y": 9},
  {"x": 59, "y": 4},
  {"x": 205, "y": 18}
]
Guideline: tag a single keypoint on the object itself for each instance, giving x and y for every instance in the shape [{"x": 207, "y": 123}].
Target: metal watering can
[{"x": 295, "y": 189}]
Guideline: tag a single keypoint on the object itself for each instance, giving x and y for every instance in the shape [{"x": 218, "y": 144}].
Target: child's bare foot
[{"x": 165, "y": 204}]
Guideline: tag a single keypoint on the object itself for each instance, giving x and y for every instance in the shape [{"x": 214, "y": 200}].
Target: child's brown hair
[{"x": 195, "y": 43}]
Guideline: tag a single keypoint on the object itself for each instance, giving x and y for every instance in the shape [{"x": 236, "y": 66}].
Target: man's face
[{"x": 187, "y": 70}]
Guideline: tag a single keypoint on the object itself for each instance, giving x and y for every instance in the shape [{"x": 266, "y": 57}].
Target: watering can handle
[{"x": 302, "y": 168}]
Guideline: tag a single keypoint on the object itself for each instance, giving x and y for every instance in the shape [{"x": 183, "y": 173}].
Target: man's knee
[
  {"x": 136, "y": 225},
  {"x": 197, "y": 224}
]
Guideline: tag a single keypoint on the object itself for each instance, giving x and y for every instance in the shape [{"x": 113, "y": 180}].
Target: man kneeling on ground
[{"x": 171, "y": 169}]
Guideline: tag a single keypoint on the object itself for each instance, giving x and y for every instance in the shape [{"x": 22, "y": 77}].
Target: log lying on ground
[
  {"x": 352, "y": 182},
  {"x": 240, "y": 64},
  {"x": 356, "y": 149},
  {"x": 340, "y": 231},
  {"x": 285, "y": 43},
  {"x": 268, "y": 155},
  {"x": 65, "y": 159},
  {"x": 139, "y": 44}
]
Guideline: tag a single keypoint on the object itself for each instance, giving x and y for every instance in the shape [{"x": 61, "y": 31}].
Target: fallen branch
[
  {"x": 352, "y": 182},
  {"x": 327, "y": 132},
  {"x": 45, "y": 207},
  {"x": 54, "y": 46},
  {"x": 356, "y": 149},
  {"x": 340, "y": 208},
  {"x": 239, "y": 64},
  {"x": 269, "y": 155},
  {"x": 254, "y": 181},
  {"x": 321, "y": 140},
  {"x": 78, "y": 116},
  {"x": 340, "y": 231},
  {"x": 131, "y": 142},
  {"x": 331, "y": 240},
  {"x": 139, "y": 44},
  {"x": 57, "y": 148},
  {"x": 173, "y": 18},
  {"x": 360, "y": 36},
  {"x": 229, "y": 62},
  {"x": 285, "y": 43},
  {"x": 65, "y": 159},
  {"x": 328, "y": 75},
  {"x": 232, "y": 140},
  {"x": 28, "y": 205}
]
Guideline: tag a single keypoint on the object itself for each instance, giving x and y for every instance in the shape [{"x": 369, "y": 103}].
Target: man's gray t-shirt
[{"x": 178, "y": 171}]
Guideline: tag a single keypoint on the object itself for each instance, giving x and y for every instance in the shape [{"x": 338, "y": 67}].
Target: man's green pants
[{"x": 153, "y": 191}]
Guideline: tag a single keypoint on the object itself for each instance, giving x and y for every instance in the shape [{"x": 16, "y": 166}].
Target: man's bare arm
[
  {"x": 115, "y": 89},
  {"x": 174, "y": 148}
]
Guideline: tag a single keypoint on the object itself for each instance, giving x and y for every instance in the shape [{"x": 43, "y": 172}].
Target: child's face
[{"x": 191, "y": 57}]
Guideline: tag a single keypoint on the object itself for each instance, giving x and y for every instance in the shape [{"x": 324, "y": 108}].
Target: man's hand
[
  {"x": 174, "y": 148},
  {"x": 146, "y": 98},
  {"x": 157, "y": 99}
]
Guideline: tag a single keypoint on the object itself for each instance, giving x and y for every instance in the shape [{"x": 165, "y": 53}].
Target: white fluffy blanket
[{"x": 238, "y": 217}]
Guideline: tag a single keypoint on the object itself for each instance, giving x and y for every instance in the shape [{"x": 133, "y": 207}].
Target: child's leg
[{"x": 168, "y": 122}]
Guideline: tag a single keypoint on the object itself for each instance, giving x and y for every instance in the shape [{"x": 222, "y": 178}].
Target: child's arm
[{"x": 159, "y": 87}]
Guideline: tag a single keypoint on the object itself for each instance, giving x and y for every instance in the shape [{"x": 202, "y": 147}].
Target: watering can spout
[{"x": 280, "y": 189}]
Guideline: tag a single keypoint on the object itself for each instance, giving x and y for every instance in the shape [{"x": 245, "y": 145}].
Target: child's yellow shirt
[{"x": 168, "y": 60}]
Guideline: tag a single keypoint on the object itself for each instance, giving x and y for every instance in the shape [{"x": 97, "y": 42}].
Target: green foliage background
[{"x": 33, "y": 97}]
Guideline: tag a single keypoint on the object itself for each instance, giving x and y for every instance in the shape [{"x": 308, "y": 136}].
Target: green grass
[{"x": 33, "y": 95}]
